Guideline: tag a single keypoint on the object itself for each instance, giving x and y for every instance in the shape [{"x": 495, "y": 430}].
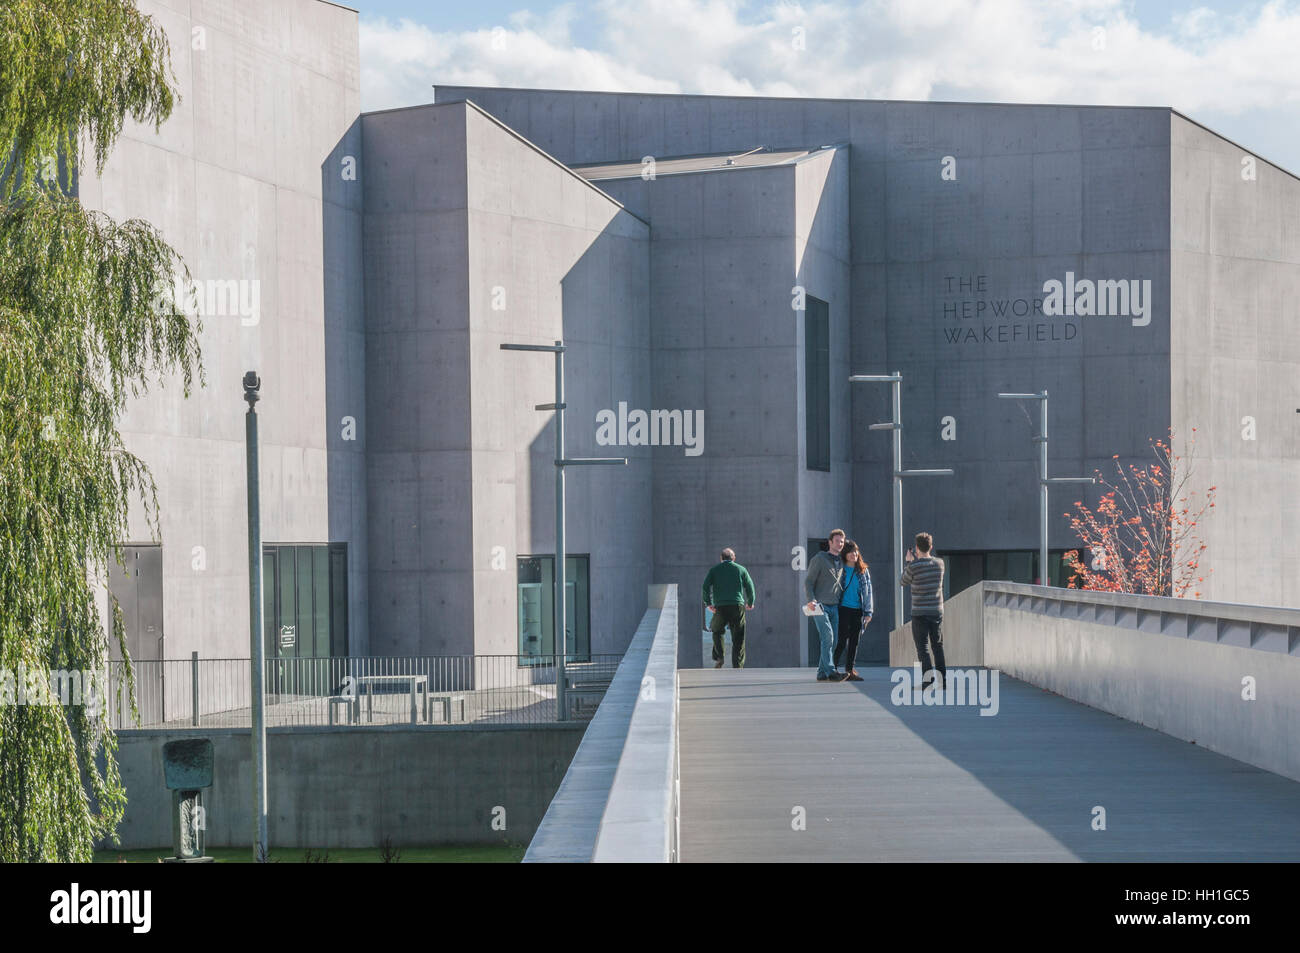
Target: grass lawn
[{"x": 477, "y": 854}]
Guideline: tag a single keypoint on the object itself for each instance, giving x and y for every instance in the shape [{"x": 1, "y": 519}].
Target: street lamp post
[
  {"x": 1043, "y": 480},
  {"x": 895, "y": 380},
  {"x": 256, "y": 645},
  {"x": 561, "y": 633}
]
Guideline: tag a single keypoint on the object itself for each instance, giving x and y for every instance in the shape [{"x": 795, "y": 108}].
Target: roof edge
[
  {"x": 341, "y": 6},
  {"x": 806, "y": 99},
  {"x": 546, "y": 155},
  {"x": 812, "y": 152},
  {"x": 1233, "y": 142}
]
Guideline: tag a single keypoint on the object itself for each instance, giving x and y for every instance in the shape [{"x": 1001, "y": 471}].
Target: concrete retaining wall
[
  {"x": 1181, "y": 666},
  {"x": 618, "y": 800},
  {"x": 354, "y": 787},
  {"x": 1224, "y": 676},
  {"x": 963, "y": 632},
  {"x": 1221, "y": 675}
]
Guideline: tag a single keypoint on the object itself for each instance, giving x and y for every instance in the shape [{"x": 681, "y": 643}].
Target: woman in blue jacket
[{"x": 855, "y": 609}]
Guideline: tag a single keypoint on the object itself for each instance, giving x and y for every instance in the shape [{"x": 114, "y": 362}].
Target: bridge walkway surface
[{"x": 883, "y": 782}]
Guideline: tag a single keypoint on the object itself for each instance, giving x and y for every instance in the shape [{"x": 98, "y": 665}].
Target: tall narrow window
[
  {"x": 964, "y": 569},
  {"x": 817, "y": 383}
]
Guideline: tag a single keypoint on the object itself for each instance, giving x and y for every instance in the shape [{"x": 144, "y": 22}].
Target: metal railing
[
  {"x": 1222, "y": 675},
  {"x": 1265, "y": 628},
  {"x": 361, "y": 690}
]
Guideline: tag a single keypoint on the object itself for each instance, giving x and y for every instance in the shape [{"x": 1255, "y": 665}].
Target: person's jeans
[
  {"x": 847, "y": 644},
  {"x": 928, "y": 627},
  {"x": 826, "y": 624},
  {"x": 733, "y": 616}
]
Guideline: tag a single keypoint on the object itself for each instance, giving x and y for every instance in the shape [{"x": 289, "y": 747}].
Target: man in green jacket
[{"x": 728, "y": 592}]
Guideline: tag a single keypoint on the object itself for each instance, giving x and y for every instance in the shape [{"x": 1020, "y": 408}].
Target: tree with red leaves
[{"x": 1143, "y": 536}]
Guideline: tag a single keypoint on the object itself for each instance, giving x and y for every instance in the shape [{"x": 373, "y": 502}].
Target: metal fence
[{"x": 365, "y": 690}]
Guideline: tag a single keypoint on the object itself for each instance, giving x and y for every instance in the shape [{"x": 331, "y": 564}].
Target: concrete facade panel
[{"x": 233, "y": 180}]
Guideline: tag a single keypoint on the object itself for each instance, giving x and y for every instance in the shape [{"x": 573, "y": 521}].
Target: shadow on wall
[
  {"x": 345, "y": 382},
  {"x": 608, "y": 525}
]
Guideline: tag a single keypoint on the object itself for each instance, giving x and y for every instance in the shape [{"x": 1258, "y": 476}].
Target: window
[
  {"x": 536, "y": 595},
  {"x": 817, "y": 383},
  {"x": 964, "y": 569}
]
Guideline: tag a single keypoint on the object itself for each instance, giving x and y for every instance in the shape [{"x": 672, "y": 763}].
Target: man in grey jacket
[{"x": 823, "y": 586}]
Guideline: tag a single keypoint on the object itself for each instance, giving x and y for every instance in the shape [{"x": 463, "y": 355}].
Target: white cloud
[
  {"x": 1003, "y": 50},
  {"x": 400, "y": 62}
]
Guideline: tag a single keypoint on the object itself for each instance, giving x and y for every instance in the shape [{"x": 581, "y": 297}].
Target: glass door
[
  {"x": 305, "y": 607},
  {"x": 535, "y": 582},
  {"x": 532, "y": 630}
]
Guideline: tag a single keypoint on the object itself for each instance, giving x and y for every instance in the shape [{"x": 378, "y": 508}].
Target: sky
[{"x": 1234, "y": 67}]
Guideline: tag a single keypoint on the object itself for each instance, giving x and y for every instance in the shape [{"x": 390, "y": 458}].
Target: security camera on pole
[
  {"x": 896, "y": 425},
  {"x": 1043, "y": 481},
  {"x": 561, "y": 633}
]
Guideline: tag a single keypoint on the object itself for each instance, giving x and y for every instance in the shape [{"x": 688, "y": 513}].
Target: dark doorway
[
  {"x": 138, "y": 591},
  {"x": 304, "y": 592}
]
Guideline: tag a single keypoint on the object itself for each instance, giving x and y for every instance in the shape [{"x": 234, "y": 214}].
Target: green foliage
[
  {"x": 81, "y": 332},
  {"x": 76, "y": 68}
]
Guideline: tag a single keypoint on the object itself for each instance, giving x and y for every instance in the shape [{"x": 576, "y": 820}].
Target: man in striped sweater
[{"x": 924, "y": 573}]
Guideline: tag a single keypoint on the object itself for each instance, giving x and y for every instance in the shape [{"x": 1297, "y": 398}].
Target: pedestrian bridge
[{"x": 1092, "y": 727}]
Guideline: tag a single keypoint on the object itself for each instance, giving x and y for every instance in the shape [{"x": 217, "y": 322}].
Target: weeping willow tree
[{"x": 82, "y": 330}]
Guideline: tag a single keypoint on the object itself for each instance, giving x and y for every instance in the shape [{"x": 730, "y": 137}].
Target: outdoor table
[{"x": 418, "y": 683}]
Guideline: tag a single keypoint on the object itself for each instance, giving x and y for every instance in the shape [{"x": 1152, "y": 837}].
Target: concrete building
[
  {"x": 473, "y": 239},
  {"x": 244, "y": 180},
  {"x": 726, "y": 262}
]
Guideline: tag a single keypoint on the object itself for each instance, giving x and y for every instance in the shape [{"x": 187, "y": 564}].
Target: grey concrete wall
[
  {"x": 1235, "y": 355},
  {"x": 355, "y": 787},
  {"x": 962, "y": 630},
  {"x": 417, "y": 382},
  {"x": 1039, "y": 191},
  {"x": 726, "y": 250},
  {"x": 473, "y": 239},
  {"x": 721, "y": 260},
  {"x": 571, "y": 265},
  {"x": 823, "y": 268},
  {"x": 1176, "y": 665},
  {"x": 242, "y": 181}
]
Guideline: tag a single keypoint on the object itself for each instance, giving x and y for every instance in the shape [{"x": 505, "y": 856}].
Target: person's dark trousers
[
  {"x": 928, "y": 627},
  {"x": 732, "y": 617},
  {"x": 847, "y": 643}
]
